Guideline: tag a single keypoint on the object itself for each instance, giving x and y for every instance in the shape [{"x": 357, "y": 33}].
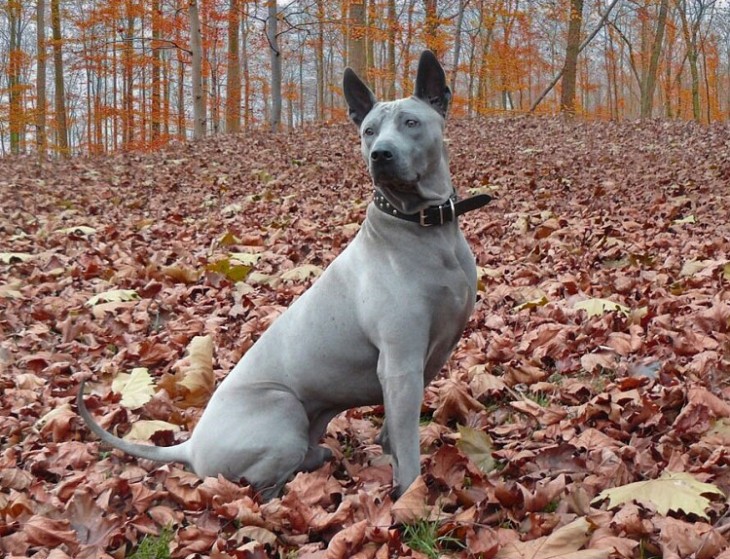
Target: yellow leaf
[
  {"x": 181, "y": 273},
  {"x": 685, "y": 220},
  {"x": 230, "y": 269},
  {"x": 144, "y": 429},
  {"x": 719, "y": 434},
  {"x": 247, "y": 258},
  {"x": 232, "y": 209},
  {"x": 477, "y": 446},
  {"x": 301, "y": 273},
  {"x": 12, "y": 257},
  {"x": 532, "y": 304},
  {"x": 351, "y": 227},
  {"x": 196, "y": 369},
  {"x": 489, "y": 272},
  {"x": 257, "y": 278},
  {"x": 691, "y": 267},
  {"x": 563, "y": 543},
  {"x": 136, "y": 388},
  {"x": 60, "y": 411},
  {"x": 597, "y": 306},
  {"x": 102, "y": 308},
  {"x": 10, "y": 291},
  {"x": 673, "y": 491},
  {"x": 113, "y": 296},
  {"x": 83, "y": 230}
]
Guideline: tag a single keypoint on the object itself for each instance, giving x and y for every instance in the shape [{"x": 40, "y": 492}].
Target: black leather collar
[{"x": 434, "y": 215}]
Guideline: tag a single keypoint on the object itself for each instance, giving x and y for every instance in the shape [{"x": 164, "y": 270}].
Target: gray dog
[{"x": 376, "y": 327}]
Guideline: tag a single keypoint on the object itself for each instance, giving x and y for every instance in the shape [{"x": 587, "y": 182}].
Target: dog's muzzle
[{"x": 386, "y": 173}]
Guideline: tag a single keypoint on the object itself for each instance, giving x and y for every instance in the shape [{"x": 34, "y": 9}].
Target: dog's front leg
[{"x": 402, "y": 384}]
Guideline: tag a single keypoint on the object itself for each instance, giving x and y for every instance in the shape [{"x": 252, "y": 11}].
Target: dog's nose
[{"x": 382, "y": 154}]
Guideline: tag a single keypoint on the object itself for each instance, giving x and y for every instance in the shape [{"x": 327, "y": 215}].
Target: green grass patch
[
  {"x": 423, "y": 536},
  {"x": 154, "y": 547}
]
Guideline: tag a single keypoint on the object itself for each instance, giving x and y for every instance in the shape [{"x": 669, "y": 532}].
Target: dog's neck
[{"x": 433, "y": 215}]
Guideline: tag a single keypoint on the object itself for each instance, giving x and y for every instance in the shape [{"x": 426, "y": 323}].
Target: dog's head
[{"x": 402, "y": 140}]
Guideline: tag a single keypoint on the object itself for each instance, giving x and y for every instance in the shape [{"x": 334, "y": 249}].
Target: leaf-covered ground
[{"x": 596, "y": 356}]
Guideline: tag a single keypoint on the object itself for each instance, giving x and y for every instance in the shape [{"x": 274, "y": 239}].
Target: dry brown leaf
[
  {"x": 347, "y": 541},
  {"x": 196, "y": 369},
  {"x": 563, "y": 543},
  {"x": 46, "y": 532},
  {"x": 412, "y": 505}
]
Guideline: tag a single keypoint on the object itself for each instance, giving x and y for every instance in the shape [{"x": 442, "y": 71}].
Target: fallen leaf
[
  {"x": 81, "y": 230},
  {"x": 477, "y": 446},
  {"x": 136, "y": 388},
  {"x": 113, "y": 296},
  {"x": 597, "y": 306},
  {"x": 196, "y": 369},
  {"x": 144, "y": 429},
  {"x": 563, "y": 543},
  {"x": 12, "y": 257},
  {"x": 411, "y": 505},
  {"x": 671, "y": 492},
  {"x": 301, "y": 273}
]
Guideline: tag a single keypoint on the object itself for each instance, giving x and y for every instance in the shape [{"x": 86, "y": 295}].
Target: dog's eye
[
  {"x": 411, "y": 123},
  {"x": 368, "y": 131}
]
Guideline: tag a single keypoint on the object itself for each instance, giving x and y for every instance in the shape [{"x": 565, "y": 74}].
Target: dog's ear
[
  {"x": 431, "y": 83},
  {"x": 360, "y": 100}
]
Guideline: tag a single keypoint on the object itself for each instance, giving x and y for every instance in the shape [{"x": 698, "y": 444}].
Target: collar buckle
[{"x": 422, "y": 219}]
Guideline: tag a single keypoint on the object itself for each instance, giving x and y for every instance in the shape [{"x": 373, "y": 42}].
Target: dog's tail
[{"x": 176, "y": 453}]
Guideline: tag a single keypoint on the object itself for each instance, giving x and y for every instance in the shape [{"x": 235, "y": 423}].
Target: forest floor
[{"x": 597, "y": 355}]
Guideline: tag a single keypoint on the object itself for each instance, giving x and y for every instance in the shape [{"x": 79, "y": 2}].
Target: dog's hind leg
[
  {"x": 316, "y": 454},
  {"x": 258, "y": 433}
]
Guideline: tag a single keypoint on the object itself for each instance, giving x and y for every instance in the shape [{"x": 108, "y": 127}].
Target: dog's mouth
[
  {"x": 403, "y": 187},
  {"x": 383, "y": 179}
]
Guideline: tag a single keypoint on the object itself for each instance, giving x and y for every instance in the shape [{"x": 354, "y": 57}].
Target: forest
[{"x": 99, "y": 76}]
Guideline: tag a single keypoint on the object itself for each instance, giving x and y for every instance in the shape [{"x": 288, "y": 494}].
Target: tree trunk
[
  {"x": 430, "y": 28},
  {"x": 40, "y": 121},
  {"x": 196, "y": 46},
  {"x": 181, "y": 125},
  {"x": 406, "y": 81},
  {"x": 392, "y": 32},
  {"x": 60, "y": 93},
  {"x": 567, "y": 97},
  {"x": 690, "y": 38},
  {"x": 246, "y": 74},
  {"x": 15, "y": 55},
  {"x": 166, "y": 96},
  {"x": 457, "y": 43},
  {"x": 156, "y": 108},
  {"x": 233, "y": 94},
  {"x": 695, "y": 74},
  {"x": 649, "y": 85},
  {"x": 706, "y": 75},
  {"x": 272, "y": 34},
  {"x": 115, "y": 96},
  {"x": 128, "y": 67},
  {"x": 583, "y": 45},
  {"x": 356, "y": 48},
  {"x": 668, "y": 77},
  {"x": 370, "y": 34},
  {"x": 319, "y": 59},
  {"x": 487, "y": 20}
]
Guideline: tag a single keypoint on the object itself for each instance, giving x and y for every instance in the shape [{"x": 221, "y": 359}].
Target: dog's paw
[{"x": 316, "y": 456}]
